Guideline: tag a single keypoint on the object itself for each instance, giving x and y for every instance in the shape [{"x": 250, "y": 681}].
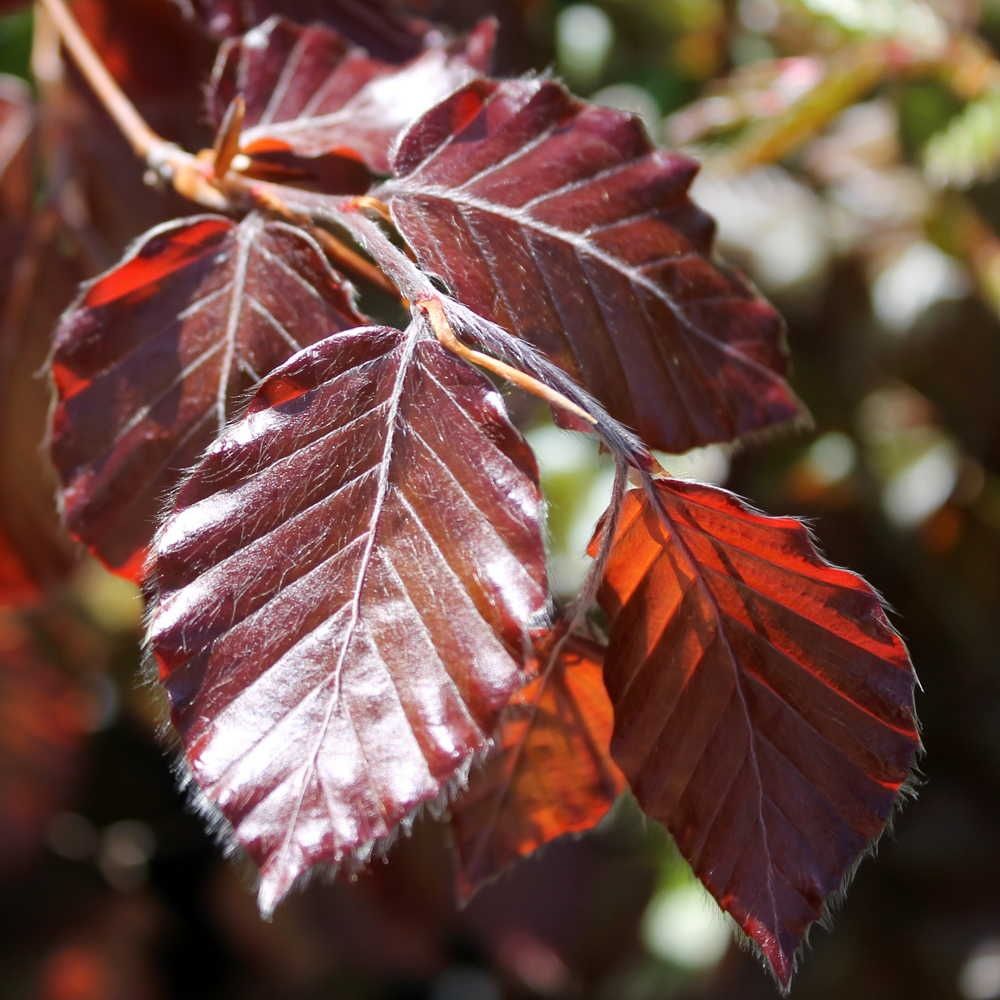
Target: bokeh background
[{"x": 851, "y": 153}]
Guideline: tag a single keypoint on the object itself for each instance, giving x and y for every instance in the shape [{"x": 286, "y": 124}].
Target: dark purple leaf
[
  {"x": 558, "y": 221},
  {"x": 344, "y": 596},
  {"x": 763, "y": 704},
  {"x": 153, "y": 358},
  {"x": 319, "y": 108}
]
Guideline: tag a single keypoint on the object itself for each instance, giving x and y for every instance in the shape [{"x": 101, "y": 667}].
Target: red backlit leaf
[
  {"x": 344, "y": 595},
  {"x": 551, "y": 773},
  {"x": 381, "y": 26},
  {"x": 319, "y": 108},
  {"x": 154, "y": 357},
  {"x": 559, "y": 221},
  {"x": 763, "y": 704}
]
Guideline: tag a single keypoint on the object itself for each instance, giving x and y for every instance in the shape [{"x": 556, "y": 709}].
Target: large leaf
[
  {"x": 559, "y": 221},
  {"x": 551, "y": 773},
  {"x": 318, "y": 107},
  {"x": 380, "y": 26},
  {"x": 154, "y": 357},
  {"x": 763, "y": 703},
  {"x": 345, "y": 593}
]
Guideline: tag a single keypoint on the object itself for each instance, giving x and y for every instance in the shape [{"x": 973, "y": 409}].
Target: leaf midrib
[{"x": 403, "y": 190}]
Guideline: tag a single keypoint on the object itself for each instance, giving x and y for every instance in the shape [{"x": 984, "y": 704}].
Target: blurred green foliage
[{"x": 15, "y": 44}]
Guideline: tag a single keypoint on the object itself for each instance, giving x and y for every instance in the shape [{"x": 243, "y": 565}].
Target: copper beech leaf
[
  {"x": 763, "y": 704},
  {"x": 319, "y": 109},
  {"x": 344, "y": 597},
  {"x": 551, "y": 773},
  {"x": 560, "y": 222},
  {"x": 155, "y": 356}
]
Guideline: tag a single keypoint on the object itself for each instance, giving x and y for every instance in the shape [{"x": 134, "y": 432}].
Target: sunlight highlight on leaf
[
  {"x": 155, "y": 356},
  {"x": 561, "y": 223},
  {"x": 344, "y": 599},
  {"x": 763, "y": 704}
]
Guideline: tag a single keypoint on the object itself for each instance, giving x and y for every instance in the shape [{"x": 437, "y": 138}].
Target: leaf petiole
[
  {"x": 208, "y": 181},
  {"x": 433, "y": 311}
]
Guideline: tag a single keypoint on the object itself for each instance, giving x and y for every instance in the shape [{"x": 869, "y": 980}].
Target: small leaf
[
  {"x": 319, "y": 109},
  {"x": 551, "y": 773},
  {"x": 152, "y": 360},
  {"x": 763, "y": 704},
  {"x": 343, "y": 597},
  {"x": 559, "y": 221}
]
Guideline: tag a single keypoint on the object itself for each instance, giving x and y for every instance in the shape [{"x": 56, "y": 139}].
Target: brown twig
[
  {"x": 209, "y": 181},
  {"x": 350, "y": 260},
  {"x": 432, "y": 309},
  {"x": 140, "y": 136},
  {"x": 367, "y": 203},
  {"x": 266, "y": 196},
  {"x": 206, "y": 180}
]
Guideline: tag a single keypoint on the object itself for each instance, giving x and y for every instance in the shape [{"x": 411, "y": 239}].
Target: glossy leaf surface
[
  {"x": 345, "y": 594},
  {"x": 317, "y": 107},
  {"x": 560, "y": 222},
  {"x": 763, "y": 704},
  {"x": 154, "y": 357},
  {"x": 551, "y": 773}
]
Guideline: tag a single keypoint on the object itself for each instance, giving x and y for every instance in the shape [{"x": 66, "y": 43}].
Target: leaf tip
[{"x": 276, "y": 882}]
